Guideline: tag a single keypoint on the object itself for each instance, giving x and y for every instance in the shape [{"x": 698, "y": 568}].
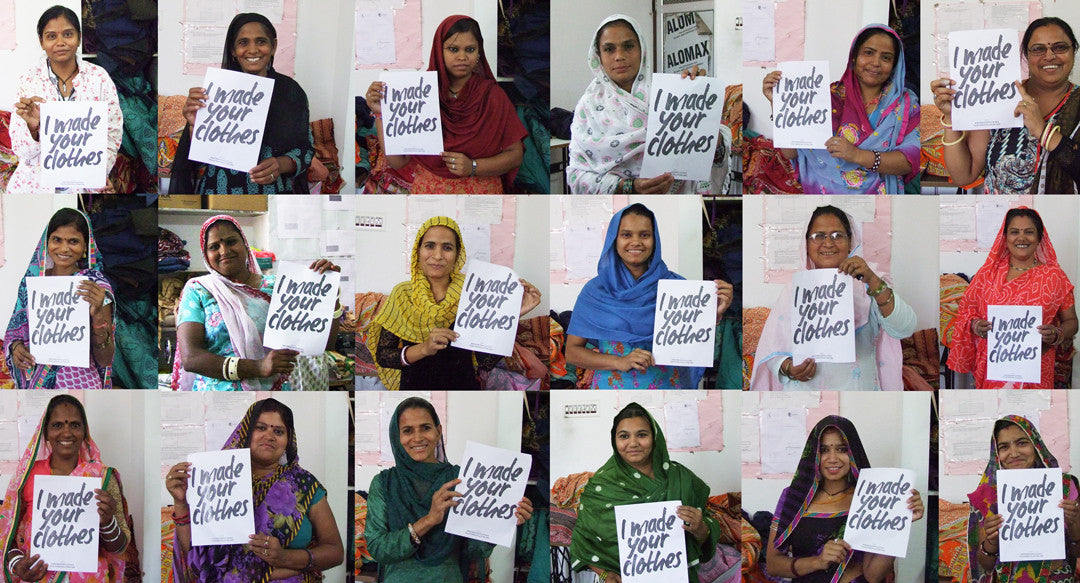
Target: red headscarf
[{"x": 481, "y": 121}]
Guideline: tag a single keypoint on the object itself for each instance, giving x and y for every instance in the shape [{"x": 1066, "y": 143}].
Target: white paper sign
[
  {"x": 1034, "y": 526},
  {"x": 652, "y": 543},
  {"x": 59, "y": 321},
  {"x": 984, "y": 64},
  {"x": 229, "y": 130},
  {"x": 802, "y": 109},
  {"x": 488, "y": 312},
  {"x": 823, "y": 320},
  {"x": 684, "y": 323},
  {"x": 412, "y": 121},
  {"x": 74, "y": 139},
  {"x": 220, "y": 498},
  {"x": 683, "y": 127},
  {"x": 879, "y": 520},
  {"x": 302, "y": 309},
  {"x": 64, "y": 527},
  {"x": 493, "y": 481},
  {"x": 1014, "y": 346}
]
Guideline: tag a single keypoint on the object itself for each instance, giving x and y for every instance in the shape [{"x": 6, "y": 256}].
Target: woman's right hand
[
  {"x": 834, "y": 551},
  {"x": 31, "y": 568},
  {"x": 374, "y": 97},
  {"x": 443, "y": 500},
  {"x": 636, "y": 359},
  {"x": 438, "y": 339},
  {"x": 196, "y": 99},
  {"x": 803, "y": 372},
  {"x": 980, "y": 328},
  {"x": 21, "y": 356},
  {"x": 277, "y": 361},
  {"x": 659, "y": 185},
  {"x": 990, "y": 526},
  {"x": 768, "y": 83},
  {"x": 943, "y": 95},
  {"x": 176, "y": 482},
  {"x": 28, "y": 109}
]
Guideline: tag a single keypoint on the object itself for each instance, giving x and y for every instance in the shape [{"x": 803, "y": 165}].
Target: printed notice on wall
[
  {"x": 489, "y": 308},
  {"x": 802, "y": 109},
  {"x": 683, "y": 126},
  {"x": 879, "y": 520},
  {"x": 59, "y": 321},
  {"x": 1014, "y": 345},
  {"x": 412, "y": 121},
  {"x": 302, "y": 309},
  {"x": 74, "y": 142},
  {"x": 1033, "y": 526},
  {"x": 984, "y": 64},
  {"x": 492, "y": 484},
  {"x": 684, "y": 324},
  {"x": 229, "y": 130},
  {"x": 652, "y": 543},
  {"x": 64, "y": 527},
  {"x": 220, "y": 498},
  {"x": 823, "y": 320}
]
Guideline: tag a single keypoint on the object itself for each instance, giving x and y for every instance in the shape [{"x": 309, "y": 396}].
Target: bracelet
[
  {"x": 113, "y": 538},
  {"x": 111, "y": 526},
  {"x": 404, "y": 362},
  {"x": 982, "y": 549},
  {"x": 376, "y": 115},
  {"x": 1049, "y": 135},
  {"x": 948, "y": 125},
  {"x": 473, "y": 167},
  {"x": 101, "y": 326},
  {"x": 879, "y": 289},
  {"x": 786, "y": 373},
  {"x": 230, "y": 368},
  {"x": 15, "y": 561},
  {"x": 182, "y": 520},
  {"x": 310, "y": 561},
  {"x": 877, "y": 162},
  {"x": 339, "y": 311},
  {"x": 958, "y": 140},
  {"x": 603, "y": 575},
  {"x": 412, "y": 534},
  {"x": 892, "y": 296},
  {"x": 1058, "y": 337},
  {"x": 794, "y": 571},
  {"x": 626, "y": 186}
]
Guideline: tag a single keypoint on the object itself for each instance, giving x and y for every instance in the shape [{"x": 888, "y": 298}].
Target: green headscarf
[{"x": 616, "y": 483}]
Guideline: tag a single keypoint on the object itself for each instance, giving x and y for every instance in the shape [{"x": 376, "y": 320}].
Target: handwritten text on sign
[
  {"x": 492, "y": 483},
  {"x": 74, "y": 140},
  {"x": 1014, "y": 346},
  {"x": 229, "y": 130},
  {"x": 220, "y": 498},
  {"x": 59, "y": 321},
  {"x": 823, "y": 316},
  {"x": 879, "y": 520},
  {"x": 684, "y": 323},
  {"x": 1034, "y": 525},
  {"x": 802, "y": 109},
  {"x": 64, "y": 527},
  {"x": 683, "y": 126},
  {"x": 412, "y": 122},
  {"x": 301, "y": 309},
  {"x": 984, "y": 64},
  {"x": 487, "y": 314},
  {"x": 652, "y": 543}
]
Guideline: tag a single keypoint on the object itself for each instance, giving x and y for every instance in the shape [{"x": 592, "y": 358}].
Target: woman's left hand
[
  {"x": 724, "y": 294},
  {"x": 94, "y": 295},
  {"x": 693, "y": 521},
  {"x": 524, "y": 510},
  {"x": 841, "y": 148},
  {"x": 458, "y": 163},
  {"x": 693, "y": 72},
  {"x": 106, "y": 507},
  {"x": 857, "y": 267},
  {"x": 323, "y": 265},
  {"x": 1072, "y": 514},
  {"x": 915, "y": 505},
  {"x": 1029, "y": 108},
  {"x": 266, "y": 547},
  {"x": 266, "y": 172},
  {"x": 530, "y": 299},
  {"x": 1051, "y": 335}
]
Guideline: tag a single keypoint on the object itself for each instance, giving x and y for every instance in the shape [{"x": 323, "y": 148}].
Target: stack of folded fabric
[{"x": 171, "y": 254}]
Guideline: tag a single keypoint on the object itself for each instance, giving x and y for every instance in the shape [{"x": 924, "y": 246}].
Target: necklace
[
  {"x": 1022, "y": 269},
  {"x": 829, "y": 497},
  {"x": 64, "y": 85}
]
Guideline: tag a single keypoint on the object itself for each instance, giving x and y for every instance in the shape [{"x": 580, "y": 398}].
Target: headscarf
[
  {"x": 481, "y": 121},
  {"x": 45, "y": 376},
  {"x": 892, "y": 126},
  {"x": 281, "y": 500},
  {"x": 613, "y": 306},
  {"x": 797, "y": 497},
  {"x": 775, "y": 339},
  {"x": 245, "y": 337},
  {"x": 617, "y": 483},
  {"x": 1044, "y": 285},
  {"x": 984, "y": 500},
  {"x": 411, "y": 312},
  {"x": 409, "y": 486},
  {"x": 110, "y": 566}
]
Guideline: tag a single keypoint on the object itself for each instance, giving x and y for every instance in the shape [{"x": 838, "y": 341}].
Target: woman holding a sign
[
  {"x": 1016, "y": 444},
  {"x": 62, "y": 447},
  {"x": 806, "y": 536},
  {"x": 638, "y": 471},
  {"x": 296, "y": 536},
  {"x": 66, "y": 249},
  {"x": 411, "y": 335},
  {"x": 875, "y": 120},
  {"x": 1043, "y": 155},
  {"x": 833, "y": 240},
  {"x": 482, "y": 134},
  {"x": 286, "y": 149},
  {"x": 408, "y": 505},
  {"x": 61, "y": 75},
  {"x": 222, "y": 315},
  {"x": 1020, "y": 270},
  {"x": 608, "y": 134}
]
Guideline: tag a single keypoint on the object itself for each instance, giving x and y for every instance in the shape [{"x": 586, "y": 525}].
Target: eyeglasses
[
  {"x": 819, "y": 237},
  {"x": 1058, "y": 48}
]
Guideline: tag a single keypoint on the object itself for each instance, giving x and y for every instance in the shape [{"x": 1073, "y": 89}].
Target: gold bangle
[
  {"x": 958, "y": 140},
  {"x": 948, "y": 125}
]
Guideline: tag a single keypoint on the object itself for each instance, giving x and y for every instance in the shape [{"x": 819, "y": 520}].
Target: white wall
[
  {"x": 727, "y": 54},
  {"x": 28, "y": 49},
  {"x": 894, "y": 428}
]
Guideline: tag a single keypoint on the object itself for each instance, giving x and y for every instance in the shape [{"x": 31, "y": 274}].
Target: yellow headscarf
[{"x": 411, "y": 312}]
